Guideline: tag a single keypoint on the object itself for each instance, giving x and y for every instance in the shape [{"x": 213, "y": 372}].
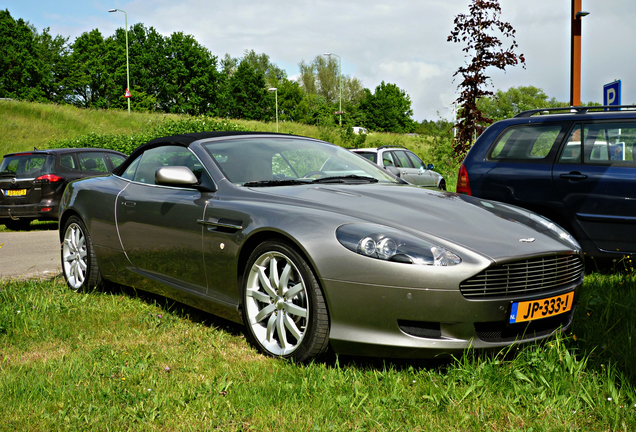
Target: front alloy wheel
[{"x": 283, "y": 305}]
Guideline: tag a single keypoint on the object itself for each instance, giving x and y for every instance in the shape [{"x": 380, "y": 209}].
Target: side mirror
[
  {"x": 175, "y": 176},
  {"x": 430, "y": 166},
  {"x": 393, "y": 170}
]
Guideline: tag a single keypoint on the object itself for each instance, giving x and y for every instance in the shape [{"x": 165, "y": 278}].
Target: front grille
[{"x": 527, "y": 277}]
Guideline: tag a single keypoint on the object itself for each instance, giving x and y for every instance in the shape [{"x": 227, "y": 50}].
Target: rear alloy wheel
[
  {"x": 283, "y": 306},
  {"x": 78, "y": 257}
]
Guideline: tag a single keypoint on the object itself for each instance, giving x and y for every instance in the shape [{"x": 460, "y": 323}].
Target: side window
[
  {"x": 68, "y": 161},
  {"x": 387, "y": 159},
  {"x": 92, "y": 161},
  {"x": 572, "y": 151},
  {"x": 403, "y": 159},
  {"x": 153, "y": 159},
  {"x": 417, "y": 162},
  {"x": 116, "y": 159},
  {"x": 527, "y": 143},
  {"x": 609, "y": 143},
  {"x": 130, "y": 172}
]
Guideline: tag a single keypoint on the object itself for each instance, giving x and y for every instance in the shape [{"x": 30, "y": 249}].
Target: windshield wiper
[
  {"x": 283, "y": 182},
  {"x": 346, "y": 179}
]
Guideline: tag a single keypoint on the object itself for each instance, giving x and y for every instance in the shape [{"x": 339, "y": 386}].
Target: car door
[
  {"x": 158, "y": 225},
  {"x": 518, "y": 167},
  {"x": 596, "y": 179},
  {"x": 407, "y": 171},
  {"x": 426, "y": 177}
]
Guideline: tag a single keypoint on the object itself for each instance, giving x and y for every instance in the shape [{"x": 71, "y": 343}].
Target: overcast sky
[{"x": 401, "y": 42}]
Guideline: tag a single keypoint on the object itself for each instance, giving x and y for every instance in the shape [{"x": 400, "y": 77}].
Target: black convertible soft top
[{"x": 184, "y": 140}]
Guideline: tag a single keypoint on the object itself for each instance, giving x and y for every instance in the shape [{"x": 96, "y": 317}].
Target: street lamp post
[
  {"x": 340, "y": 80},
  {"x": 127, "y": 64},
  {"x": 275, "y": 90},
  {"x": 575, "y": 58}
]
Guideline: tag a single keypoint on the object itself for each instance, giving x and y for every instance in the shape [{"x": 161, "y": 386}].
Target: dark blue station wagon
[{"x": 575, "y": 166}]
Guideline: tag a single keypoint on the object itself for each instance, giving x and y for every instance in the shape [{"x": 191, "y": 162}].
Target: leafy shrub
[{"x": 127, "y": 143}]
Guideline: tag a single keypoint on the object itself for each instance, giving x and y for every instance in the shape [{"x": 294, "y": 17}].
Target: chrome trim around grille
[{"x": 526, "y": 277}]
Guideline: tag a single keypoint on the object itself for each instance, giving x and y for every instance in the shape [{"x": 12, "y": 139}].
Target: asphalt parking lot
[{"x": 29, "y": 254}]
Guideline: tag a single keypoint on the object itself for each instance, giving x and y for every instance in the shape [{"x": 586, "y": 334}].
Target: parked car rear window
[
  {"x": 24, "y": 165},
  {"x": 369, "y": 155},
  {"x": 527, "y": 142}
]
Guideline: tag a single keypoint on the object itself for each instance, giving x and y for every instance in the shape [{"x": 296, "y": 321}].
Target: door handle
[
  {"x": 129, "y": 203},
  {"x": 575, "y": 175}
]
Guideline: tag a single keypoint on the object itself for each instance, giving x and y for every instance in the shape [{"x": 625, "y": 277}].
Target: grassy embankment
[{"x": 24, "y": 126}]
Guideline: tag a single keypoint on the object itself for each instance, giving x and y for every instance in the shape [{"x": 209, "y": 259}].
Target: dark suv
[
  {"x": 32, "y": 183},
  {"x": 576, "y": 166}
]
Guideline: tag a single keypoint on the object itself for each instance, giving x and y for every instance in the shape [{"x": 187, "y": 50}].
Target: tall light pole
[
  {"x": 340, "y": 78},
  {"x": 575, "y": 58},
  {"x": 275, "y": 90},
  {"x": 127, "y": 64}
]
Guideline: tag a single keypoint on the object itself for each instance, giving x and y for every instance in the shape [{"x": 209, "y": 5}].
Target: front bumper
[{"x": 424, "y": 323}]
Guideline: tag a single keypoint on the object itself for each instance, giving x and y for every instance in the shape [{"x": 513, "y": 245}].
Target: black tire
[
  {"x": 21, "y": 224},
  {"x": 283, "y": 306},
  {"x": 442, "y": 185},
  {"x": 79, "y": 263}
]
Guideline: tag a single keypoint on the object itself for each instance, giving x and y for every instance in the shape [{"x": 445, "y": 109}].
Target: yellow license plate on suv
[
  {"x": 16, "y": 192},
  {"x": 542, "y": 308}
]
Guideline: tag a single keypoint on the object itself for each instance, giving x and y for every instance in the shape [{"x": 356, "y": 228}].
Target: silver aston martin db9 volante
[{"x": 312, "y": 246}]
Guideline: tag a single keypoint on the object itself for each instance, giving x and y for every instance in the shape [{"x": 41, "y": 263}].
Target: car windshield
[
  {"x": 276, "y": 161},
  {"x": 24, "y": 166}
]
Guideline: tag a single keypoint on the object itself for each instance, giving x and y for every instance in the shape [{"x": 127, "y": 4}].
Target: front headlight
[{"x": 388, "y": 244}]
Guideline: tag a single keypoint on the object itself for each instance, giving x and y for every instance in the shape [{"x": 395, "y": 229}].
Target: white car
[{"x": 404, "y": 164}]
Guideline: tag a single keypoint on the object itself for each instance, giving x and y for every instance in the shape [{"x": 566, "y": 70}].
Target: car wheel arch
[
  {"x": 65, "y": 217},
  {"x": 259, "y": 237}
]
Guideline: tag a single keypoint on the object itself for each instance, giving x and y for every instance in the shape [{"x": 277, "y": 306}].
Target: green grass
[{"x": 122, "y": 361}]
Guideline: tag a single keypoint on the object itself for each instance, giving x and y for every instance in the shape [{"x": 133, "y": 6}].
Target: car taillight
[
  {"x": 49, "y": 178},
  {"x": 463, "y": 184}
]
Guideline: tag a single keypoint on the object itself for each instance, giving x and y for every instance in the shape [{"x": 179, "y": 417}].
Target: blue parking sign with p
[{"x": 612, "y": 94}]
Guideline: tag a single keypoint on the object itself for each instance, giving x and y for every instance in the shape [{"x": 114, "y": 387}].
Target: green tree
[
  {"x": 54, "y": 52},
  {"x": 88, "y": 77},
  {"x": 175, "y": 73},
  {"x": 388, "y": 109},
  {"x": 247, "y": 96},
  {"x": 29, "y": 62},
  {"x": 321, "y": 77},
  {"x": 260, "y": 62},
  {"x": 290, "y": 96},
  {"x": 509, "y": 103}
]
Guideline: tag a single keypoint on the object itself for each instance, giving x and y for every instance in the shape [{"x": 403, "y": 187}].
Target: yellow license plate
[
  {"x": 543, "y": 308},
  {"x": 16, "y": 192}
]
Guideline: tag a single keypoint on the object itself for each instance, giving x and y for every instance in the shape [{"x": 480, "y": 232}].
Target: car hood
[{"x": 489, "y": 228}]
